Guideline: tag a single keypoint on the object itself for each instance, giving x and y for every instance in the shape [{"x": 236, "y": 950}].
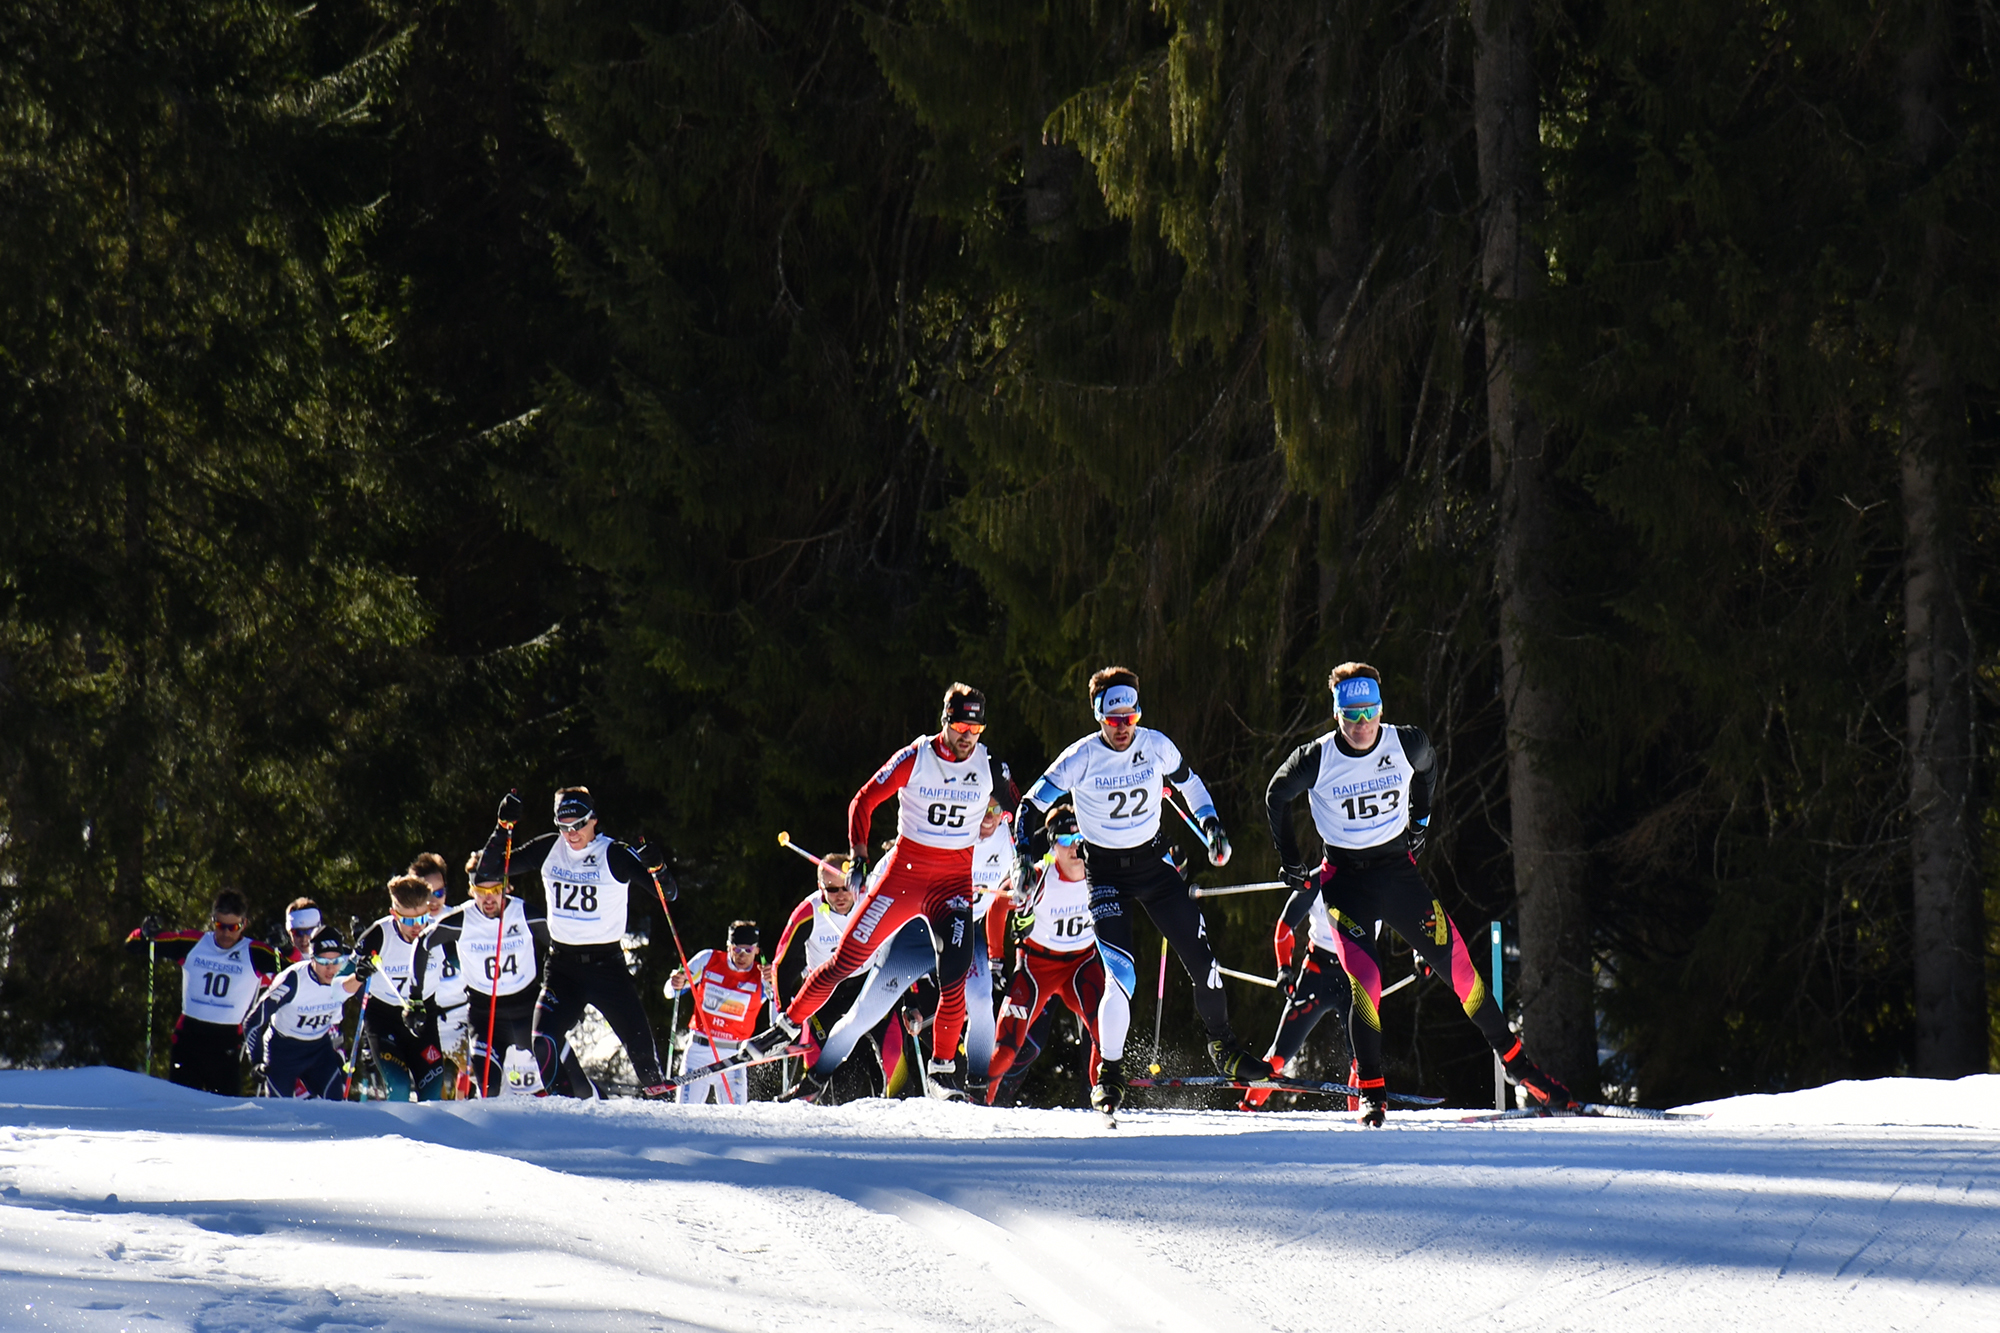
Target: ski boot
[
  {"x": 783, "y": 1032},
  {"x": 1233, "y": 1062},
  {"x": 1108, "y": 1094},
  {"x": 1542, "y": 1089},
  {"x": 943, "y": 1081},
  {"x": 809, "y": 1089},
  {"x": 1374, "y": 1101}
]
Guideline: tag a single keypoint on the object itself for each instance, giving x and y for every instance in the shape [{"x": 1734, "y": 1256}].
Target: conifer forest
[{"x": 402, "y": 402}]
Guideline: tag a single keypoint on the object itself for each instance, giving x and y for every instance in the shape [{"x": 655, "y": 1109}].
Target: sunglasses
[
  {"x": 573, "y": 825},
  {"x": 423, "y": 920},
  {"x": 330, "y": 957},
  {"x": 966, "y": 728},
  {"x": 220, "y": 924},
  {"x": 1121, "y": 719},
  {"x": 1365, "y": 713},
  {"x": 1067, "y": 839}
]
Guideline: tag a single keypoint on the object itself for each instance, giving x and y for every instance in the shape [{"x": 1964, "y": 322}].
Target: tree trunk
[
  {"x": 1555, "y": 985},
  {"x": 1947, "y": 932}
]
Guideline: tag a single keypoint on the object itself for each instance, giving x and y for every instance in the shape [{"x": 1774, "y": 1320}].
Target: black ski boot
[
  {"x": 943, "y": 1081},
  {"x": 1374, "y": 1103},
  {"x": 1233, "y": 1062},
  {"x": 1545, "y": 1090},
  {"x": 1109, "y": 1092},
  {"x": 809, "y": 1089}
]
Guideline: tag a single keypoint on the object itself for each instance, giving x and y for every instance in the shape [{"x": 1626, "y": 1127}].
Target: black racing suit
[
  {"x": 579, "y": 975},
  {"x": 1379, "y": 883}
]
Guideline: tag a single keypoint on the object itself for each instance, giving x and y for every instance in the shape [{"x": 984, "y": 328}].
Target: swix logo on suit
[
  {"x": 586, "y": 901},
  {"x": 217, "y": 984},
  {"x": 1360, "y": 801},
  {"x": 944, "y": 799}
]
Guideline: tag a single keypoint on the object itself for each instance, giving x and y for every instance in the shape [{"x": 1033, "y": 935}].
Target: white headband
[{"x": 303, "y": 919}]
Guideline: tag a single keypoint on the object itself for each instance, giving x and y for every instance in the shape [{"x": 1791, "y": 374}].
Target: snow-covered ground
[{"x": 126, "y": 1203}]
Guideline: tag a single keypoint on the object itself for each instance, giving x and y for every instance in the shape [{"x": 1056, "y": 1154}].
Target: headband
[
  {"x": 1118, "y": 696},
  {"x": 305, "y": 918}
]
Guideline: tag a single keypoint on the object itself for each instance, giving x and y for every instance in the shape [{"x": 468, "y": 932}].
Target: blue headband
[
  {"x": 1118, "y": 696},
  {"x": 1357, "y": 692}
]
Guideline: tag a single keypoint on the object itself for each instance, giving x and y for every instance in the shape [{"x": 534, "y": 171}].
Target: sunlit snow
[{"x": 126, "y": 1203}]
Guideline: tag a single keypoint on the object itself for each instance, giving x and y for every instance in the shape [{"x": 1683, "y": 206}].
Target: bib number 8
[{"x": 946, "y": 816}]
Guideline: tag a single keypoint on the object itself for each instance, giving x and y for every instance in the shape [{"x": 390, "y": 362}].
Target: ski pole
[
  {"x": 499, "y": 943},
  {"x": 1169, "y": 797},
  {"x": 151, "y": 957},
  {"x": 1237, "y": 888},
  {"x": 1249, "y": 976},
  {"x": 695, "y": 1014},
  {"x": 785, "y": 841},
  {"x": 1159, "y": 1009}
]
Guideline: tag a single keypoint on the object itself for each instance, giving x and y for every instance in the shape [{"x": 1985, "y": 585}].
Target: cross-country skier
[
  {"x": 587, "y": 878},
  {"x": 942, "y": 784},
  {"x": 290, "y": 1031},
  {"x": 221, "y": 969},
  {"x": 1370, "y": 789},
  {"x": 494, "y": 942},
  {"x": 408, "y": 1060},
  {"x": 1114, "y": 776},
  {"x": 1059, "y": 957},
  {"x": 730, "y": 989},
  {"x": 430, "y": 868},
  {"x": 1313, "y": 986},
  {"x": 812, "y": 933}
]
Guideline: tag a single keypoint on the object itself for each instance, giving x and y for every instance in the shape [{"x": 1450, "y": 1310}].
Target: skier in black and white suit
[
  {"x": 495, "y": 943},
  {"x": 1370, "y": 789},
  {"x": 587, "y": 879},
  {"x": 1115, "y": 776},
  {"x": 290, "y": 1031}
]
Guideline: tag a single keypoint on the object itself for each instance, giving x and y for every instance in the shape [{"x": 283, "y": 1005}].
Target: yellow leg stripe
[
  {"x": 1477, "y": 996},
  {"x": 1366, "y": 1007}
]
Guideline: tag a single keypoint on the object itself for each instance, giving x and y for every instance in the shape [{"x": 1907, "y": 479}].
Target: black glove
[
  {"x": 857, "y": 870},
  {"x": 1217, "y": 840},
  {"x": 510, "y": 809},
  {"x": 663, "y": 875},
  {"x": 1288, "y": 976},
  {"x": 1419, "y": 828},
  {"x": 149, "y": 929},
  {"x": 364, "y": 968},
  {"x": 418, "y": 1009},
  {"x": 1294, "y": 877}
]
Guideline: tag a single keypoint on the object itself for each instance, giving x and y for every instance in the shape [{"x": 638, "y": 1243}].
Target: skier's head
[
  {"x": 329, "y": 951},
  {"x": 1065, "y": 838},
  {"x": 410, "y": 903},
  {"x": 225, "y": 917},
  {"x": 1357, "y": 694},
  {"x": 1114, "y": 702},
  {"x": 429, "y": 867},
  {"x": 576, "y": 816},
  {"x": 302, "y": 918},
  {"x": 489, "y": 891},
  {"x": 962, "y": 720},
  {"x": 742, "y": 944}
]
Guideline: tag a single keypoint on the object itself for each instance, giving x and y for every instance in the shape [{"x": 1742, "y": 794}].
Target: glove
[
  {"x": 1217, "y": 840},
  {"x": 1419, "y": 828},
  {"x": 1288, "y": 977},
  {"x": 1019, "y": 927},
  {"x": 857, "y": 870},
  {"x": 1294, "y": 877},
  {"x": 510, "y": 809},
  {"x": 1024, "y": 879},
  {"x": 359, "y": 968},
  {"x": 655, "y": 864},
  {"x": 149, "y": 929},
  {"x": 417, "y": 1009}
]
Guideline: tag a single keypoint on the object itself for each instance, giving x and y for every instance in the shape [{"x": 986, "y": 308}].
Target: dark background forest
[{"x": 404, "y": 402}]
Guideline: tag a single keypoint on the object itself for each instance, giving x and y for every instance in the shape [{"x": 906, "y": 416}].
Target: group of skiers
[{"x": 903, "y": 950}]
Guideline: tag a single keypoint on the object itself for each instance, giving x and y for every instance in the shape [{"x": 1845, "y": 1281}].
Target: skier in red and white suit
[
  {"x": 730, "y": 990},
  {"x": 942, "y": 784},
  {"x": 1059, "y": 958}
]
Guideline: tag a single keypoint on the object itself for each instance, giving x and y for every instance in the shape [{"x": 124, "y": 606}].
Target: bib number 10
[
  {"x": 946, "y": 816},
  {"x": 1367, "y": 807}
]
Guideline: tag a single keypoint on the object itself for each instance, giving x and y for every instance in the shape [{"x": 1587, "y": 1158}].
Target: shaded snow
[{"x": 126, "y": 1203}]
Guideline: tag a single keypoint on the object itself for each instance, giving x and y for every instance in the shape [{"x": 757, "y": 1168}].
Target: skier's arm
[
  {"x": 169, "y": 946},
  {"x": 642, "y": 868},
  {"x": 891, "y": 778},
  {"x": 795, "y": 924},
  {"x": 1033, "y": 811},
  {"x": 1293, "y": 779},
  {"x": 996, "y": 927},
  {"x": 1417, "y": 748},
  {"x": 1185, "y": 780},
  {"x": 688, "y": 979},
  {"x": 441, "y": 933},
  {"x": 527, "y": 857},
  {"x": 265, "y": 959},
  {"x": 257, "y": 1022}
]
